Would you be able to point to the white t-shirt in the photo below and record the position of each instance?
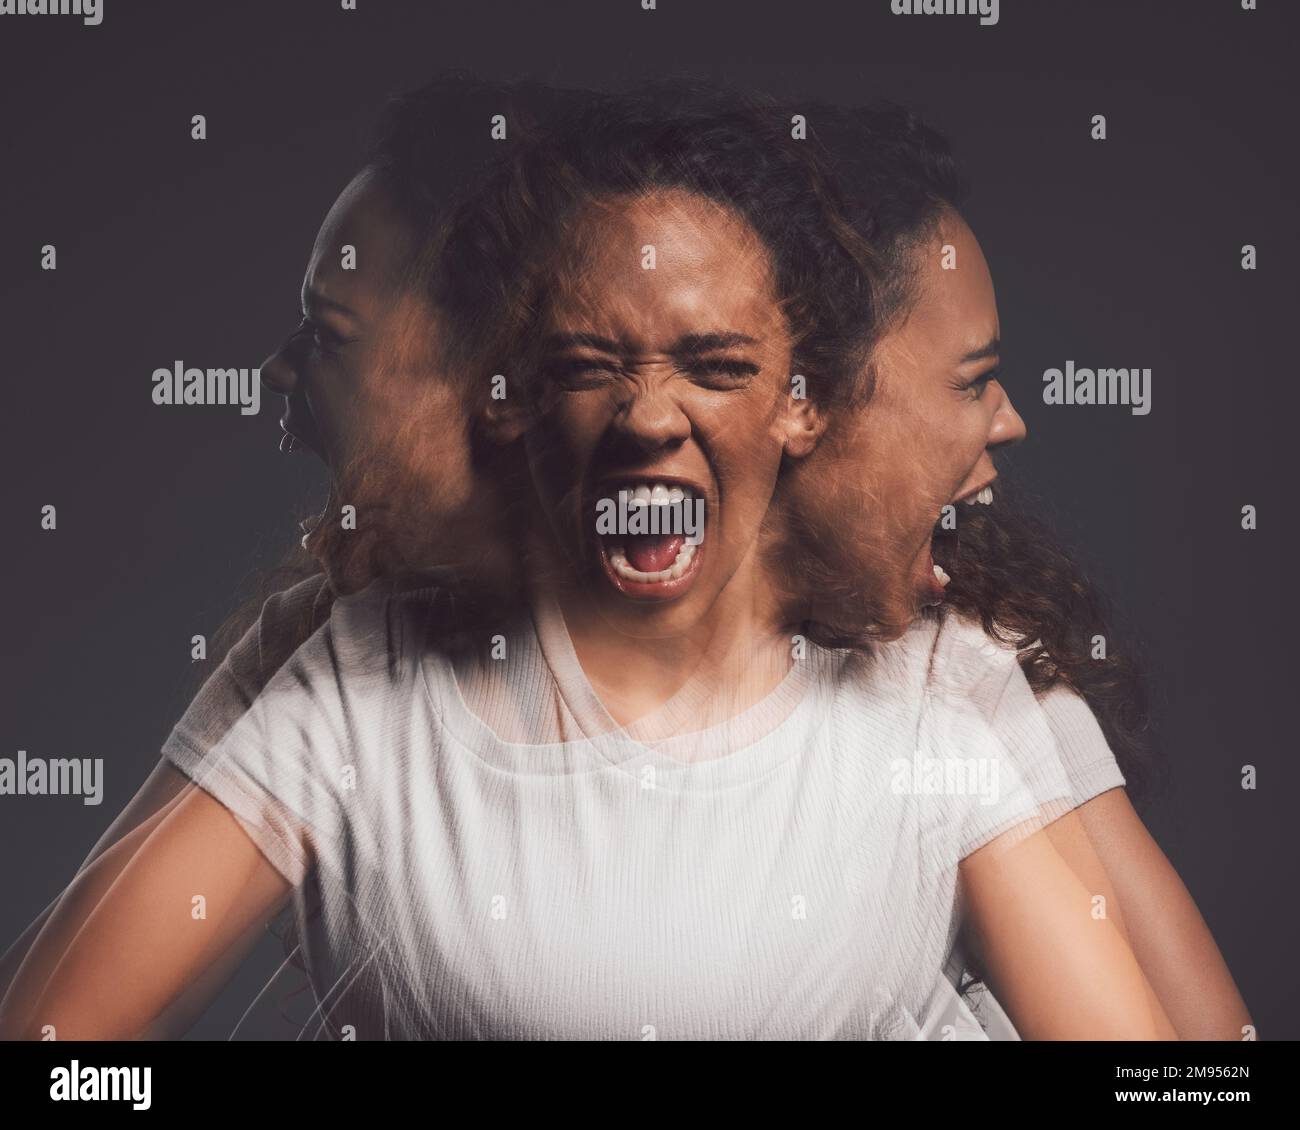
(791, 874)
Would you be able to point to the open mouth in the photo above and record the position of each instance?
(651, 537)
(982, 495)
(298, 430)
(935, 579)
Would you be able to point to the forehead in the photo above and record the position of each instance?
(955, 309)
(365, 218)
(657, 266)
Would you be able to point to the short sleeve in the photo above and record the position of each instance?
(283, 767)
(1086, 755)
(272, 768)
(285, 622)
(987, 744)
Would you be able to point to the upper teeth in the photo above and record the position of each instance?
(655, 494)
(984, 496)
(942, 576)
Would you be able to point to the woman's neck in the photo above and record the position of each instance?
(726, 661)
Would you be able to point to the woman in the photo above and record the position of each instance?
(919, 440)
(364, 362)
(594, 884)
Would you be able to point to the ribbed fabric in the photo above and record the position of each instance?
(495, 859)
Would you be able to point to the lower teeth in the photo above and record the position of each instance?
(682, 562)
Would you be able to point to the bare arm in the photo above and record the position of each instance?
(123, 944)
(1061, 970)
(160, 790)
(1169, 937)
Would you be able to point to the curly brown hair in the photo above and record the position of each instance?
(843, 215)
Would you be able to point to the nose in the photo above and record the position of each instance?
(279, 374)
(1007, 427)
(651, 419)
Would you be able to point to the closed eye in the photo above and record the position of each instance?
(980, 383)
(720, 372)
(322, 335)
(581, 372)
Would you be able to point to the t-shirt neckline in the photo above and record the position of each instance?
(759, 739)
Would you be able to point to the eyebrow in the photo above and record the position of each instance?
(574, 340)
(992, 349)
(689, 344)
(707, 343)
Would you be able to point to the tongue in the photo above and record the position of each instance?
(653, 553)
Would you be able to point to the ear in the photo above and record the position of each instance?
(805, 424)
(503, 421)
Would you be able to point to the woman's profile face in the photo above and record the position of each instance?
(926, 438)
(327, 363)
(665, 369)
(362, 384)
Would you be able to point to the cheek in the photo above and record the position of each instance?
(742, 430)
(337, 386)
(368, 403)
(574, 426)
(947, 437)
(561, 444)
(892, 464)
(970, 443)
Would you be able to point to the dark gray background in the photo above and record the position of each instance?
(1122, 253)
